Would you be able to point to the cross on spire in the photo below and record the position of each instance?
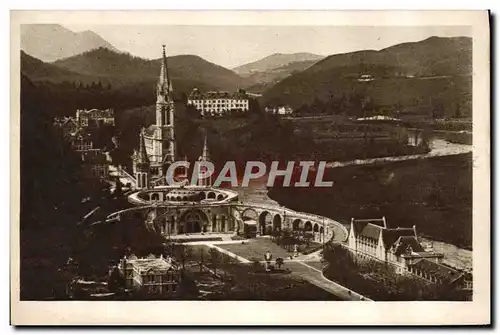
(164, 84)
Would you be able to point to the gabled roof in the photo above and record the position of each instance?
(150, 264)
(403, 243)
(440, 271)
(371, 228)
(391, 235)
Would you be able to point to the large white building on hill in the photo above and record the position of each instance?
(219, 103)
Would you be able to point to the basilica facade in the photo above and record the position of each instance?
(158, 140)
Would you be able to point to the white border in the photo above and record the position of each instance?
(271, 313)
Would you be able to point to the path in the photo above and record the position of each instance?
(299, 267)
(316, 277)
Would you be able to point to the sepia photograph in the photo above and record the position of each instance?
(176, 160)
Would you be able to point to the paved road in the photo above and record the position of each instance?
(306, 270)
(316, 277)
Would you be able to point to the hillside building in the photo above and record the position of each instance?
(219, 103)
(95, 118)
(282, 110)
(400, 248)
(68, 125)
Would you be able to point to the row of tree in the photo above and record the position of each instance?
(379, 281)
(357, 105)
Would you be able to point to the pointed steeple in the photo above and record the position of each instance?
(142, 156)
(164, 84)
(205, 155)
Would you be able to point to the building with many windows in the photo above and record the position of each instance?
(151, 275)
(94, 118)
(400, 247)
(218, 103)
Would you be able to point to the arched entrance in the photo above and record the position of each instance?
(249, 214)
(296, 224)
(264, 219)
(194, 221)
(277, 223)
(308, 226)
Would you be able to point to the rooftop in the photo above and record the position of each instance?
(196, 94)
(441, 271)
(150, 263)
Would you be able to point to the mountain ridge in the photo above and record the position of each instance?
(131, 68)
(49, 42)
(275, 61)
(419, 75)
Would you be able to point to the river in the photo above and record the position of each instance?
(457, 257)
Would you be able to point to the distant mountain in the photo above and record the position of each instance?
(49, 42)
(126, 69)
(260, 81)
(37, 70)
(418, 74)
(130, 80)
(274, 62)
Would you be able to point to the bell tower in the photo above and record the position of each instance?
(165, 110)
(142, 164)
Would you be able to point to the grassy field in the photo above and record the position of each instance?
(256, 248)
(241, 282)
(433, 194)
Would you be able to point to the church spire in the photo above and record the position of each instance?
(205, 155)
(142, 156)
(164, 84)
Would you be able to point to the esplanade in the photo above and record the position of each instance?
(177, 211)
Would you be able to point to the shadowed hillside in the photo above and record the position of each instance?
(122, 80)
(417, 77)
(275, 61)
(125, 69)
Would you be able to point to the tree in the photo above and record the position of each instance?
(115, 280)
(202, 255)
(183, 254)
(279, 262)
(214, 260)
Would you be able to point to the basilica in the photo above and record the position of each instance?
(157, 142)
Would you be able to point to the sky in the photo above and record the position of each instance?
(231, 46)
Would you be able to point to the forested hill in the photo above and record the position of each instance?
(415, 77)
(125, 69)
(104, 78)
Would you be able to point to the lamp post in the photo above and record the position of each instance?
(323, 237)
